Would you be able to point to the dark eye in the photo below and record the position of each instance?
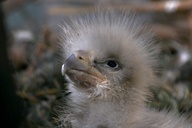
(112, 63)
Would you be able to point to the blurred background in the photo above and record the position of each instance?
(30, 60)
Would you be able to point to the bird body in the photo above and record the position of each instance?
(110, 61)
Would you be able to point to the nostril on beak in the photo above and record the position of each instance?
(81, 58)
(82, 55)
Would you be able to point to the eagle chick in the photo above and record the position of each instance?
(110, 60)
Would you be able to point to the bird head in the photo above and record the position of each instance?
(108, 54)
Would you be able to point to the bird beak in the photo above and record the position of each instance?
(79, 69)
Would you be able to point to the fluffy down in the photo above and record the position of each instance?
(110, 61)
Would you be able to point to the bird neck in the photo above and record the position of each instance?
(108, 112)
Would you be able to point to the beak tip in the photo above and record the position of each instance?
(63, 70)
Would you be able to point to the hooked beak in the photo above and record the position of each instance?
(78, 67)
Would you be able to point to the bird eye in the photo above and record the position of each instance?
(112, 64)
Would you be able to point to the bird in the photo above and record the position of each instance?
(110, 60)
